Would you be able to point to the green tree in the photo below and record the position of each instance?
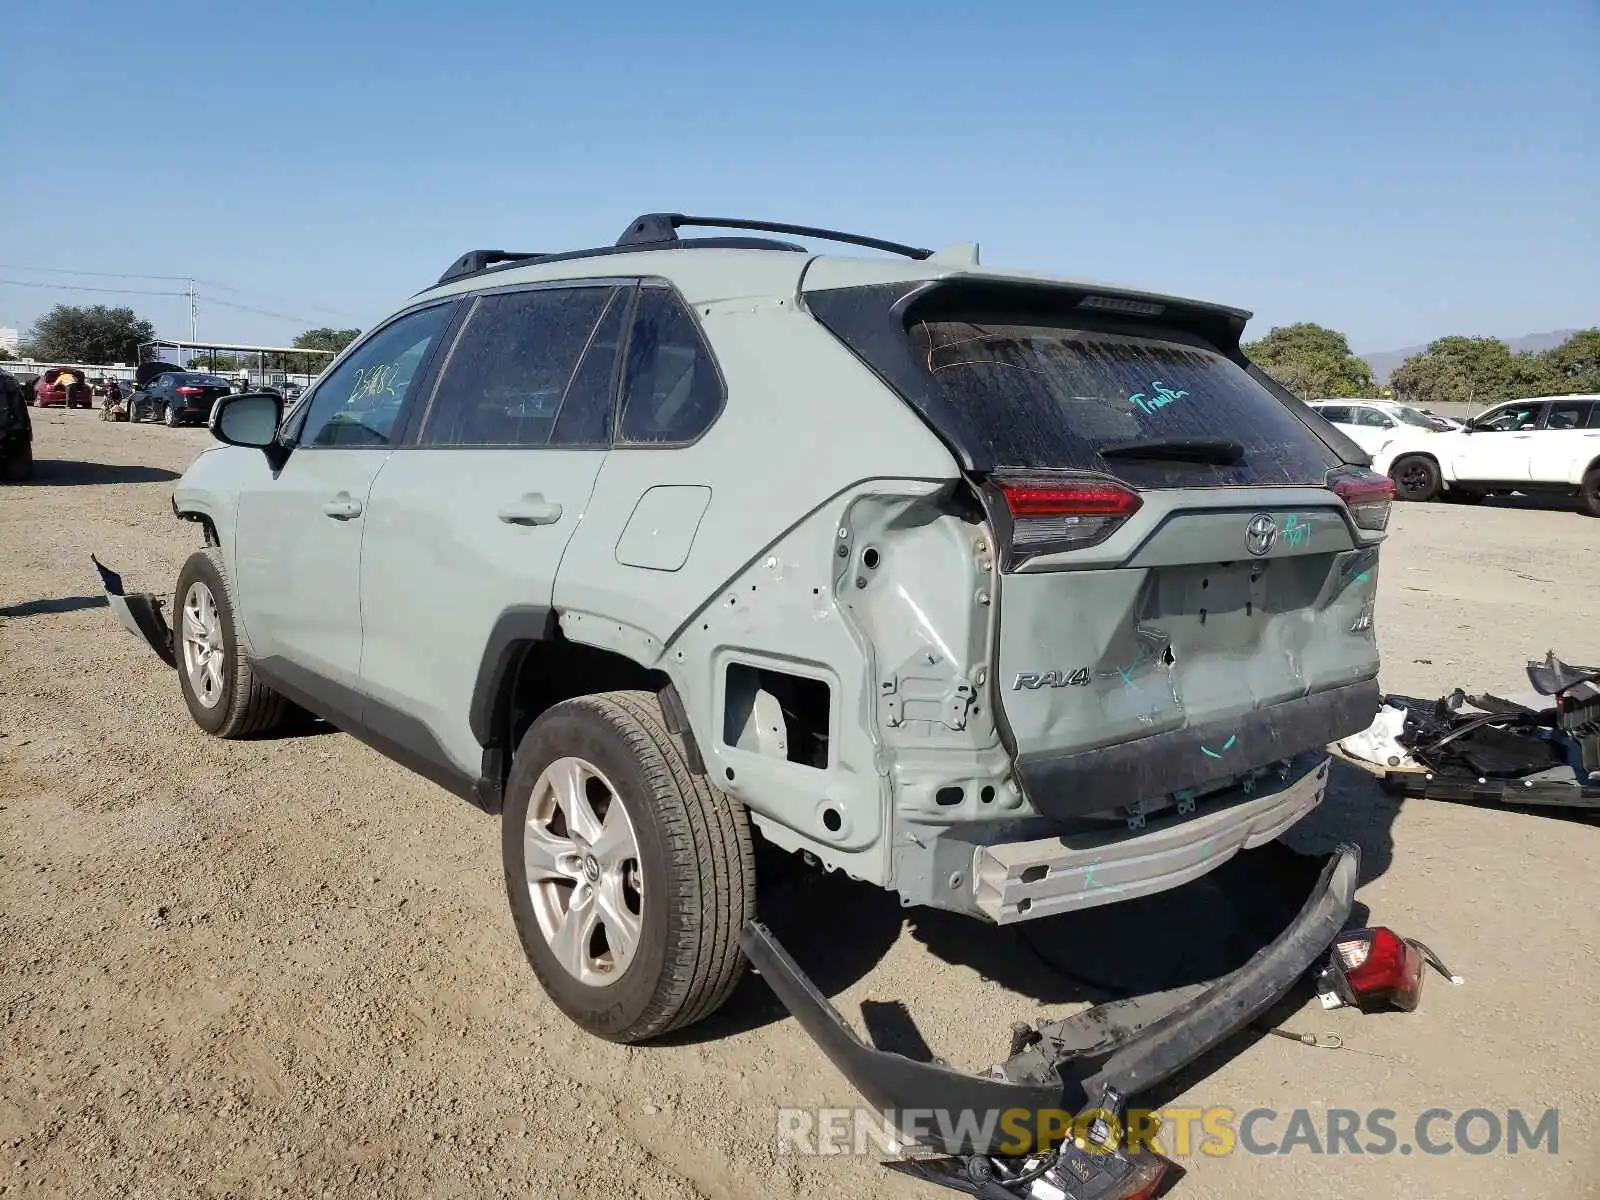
(1311, 361)
(1462, 370)
(1574, 366)
(6, 355)
(333, 340)
(219, 362)
(94, 334)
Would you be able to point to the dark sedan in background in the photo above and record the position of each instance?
(180, 397)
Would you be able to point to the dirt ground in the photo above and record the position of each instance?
(286, 967)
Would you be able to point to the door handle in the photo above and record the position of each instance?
(532, 509)
(343, 507)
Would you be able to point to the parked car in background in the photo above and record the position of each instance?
(185, 397)
(64, 386)
(16, 432)
(1541, 445)
(1372, 423)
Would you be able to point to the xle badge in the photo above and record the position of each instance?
(1033, 680)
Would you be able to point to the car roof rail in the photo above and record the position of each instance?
(661, 230)
(474, 261)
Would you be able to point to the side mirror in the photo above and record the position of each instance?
(251, 419)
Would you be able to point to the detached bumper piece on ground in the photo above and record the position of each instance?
(1540, 749)
(998, 1128)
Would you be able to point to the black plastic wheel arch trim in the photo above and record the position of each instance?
(894, 1084)
(140, 612)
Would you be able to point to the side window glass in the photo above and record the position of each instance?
(357, 403)
(1336, 413)
(1594, 416)
(671, 390)
(585, 418)
(511, 369)
(1570, 415)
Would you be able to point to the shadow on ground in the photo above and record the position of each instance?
(57, 604)
(838, 930)
(52, 472)
(1548, 501)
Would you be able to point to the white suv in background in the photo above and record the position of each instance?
(1372, 424)
(1544, 444)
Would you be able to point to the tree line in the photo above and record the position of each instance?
(98, 334)
(1313, 361)
(1310, 360)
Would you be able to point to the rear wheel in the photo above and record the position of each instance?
(1416, 478)
(219, 686)
(1589, 492)
(629, 876)
(170, 416)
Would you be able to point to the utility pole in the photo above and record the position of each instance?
(194, 314)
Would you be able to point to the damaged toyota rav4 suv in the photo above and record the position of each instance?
(1013, 594)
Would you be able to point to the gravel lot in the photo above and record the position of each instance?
(285, 967)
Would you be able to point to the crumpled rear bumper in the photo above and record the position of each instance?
(1110, 1052)
(139, 613)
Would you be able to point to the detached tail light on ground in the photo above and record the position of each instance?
(1366, 494)
(1375, 968)
(1056, 513)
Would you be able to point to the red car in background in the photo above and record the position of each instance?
(50, 389)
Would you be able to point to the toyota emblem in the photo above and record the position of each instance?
(1260, 535)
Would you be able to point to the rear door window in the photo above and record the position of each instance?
(1339, 414)
(510, 375)
(1570, 414)
(1057, 396)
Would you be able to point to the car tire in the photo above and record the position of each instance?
(692, 871)
(169, 417)
(1416, 478)
(1589, 492)
(221, 689)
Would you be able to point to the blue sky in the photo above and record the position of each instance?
(1396, 170)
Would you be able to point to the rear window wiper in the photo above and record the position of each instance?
(1221, 451)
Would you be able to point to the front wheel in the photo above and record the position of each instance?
(629, 876)
(219, 686)
(1415, 478)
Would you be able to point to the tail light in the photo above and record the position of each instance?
(1372, 967)
(191, 391)
(1366, 494)
(1049, 514)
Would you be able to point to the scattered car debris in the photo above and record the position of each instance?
(1540, 749)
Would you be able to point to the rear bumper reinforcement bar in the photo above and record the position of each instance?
(1147, 1040)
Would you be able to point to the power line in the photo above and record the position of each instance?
(261, 311)
(210, 283)
(78, 287)
(222, 287)
(102, 274)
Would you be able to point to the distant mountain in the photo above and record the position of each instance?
(1383, 362)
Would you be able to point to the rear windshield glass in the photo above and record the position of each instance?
(1038, 395)
(206, 381)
